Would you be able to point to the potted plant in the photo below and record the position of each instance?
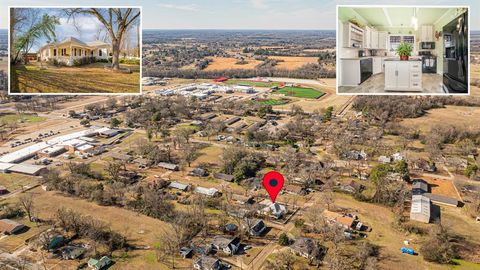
(404, 50)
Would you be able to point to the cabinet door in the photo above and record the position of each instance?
(403, 75)
(390, 75)
(382, 40)
(374, 39)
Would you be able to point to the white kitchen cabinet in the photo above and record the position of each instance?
(377, 64)
(374, 39)
(426, 33)
(350, 69)
(367, 37)
(403, 75)
(382, 40)
(353, 36)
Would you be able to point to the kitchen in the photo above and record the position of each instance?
(396, 50)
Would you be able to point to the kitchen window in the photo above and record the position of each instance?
(395, 40)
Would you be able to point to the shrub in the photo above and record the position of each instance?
(130, 61)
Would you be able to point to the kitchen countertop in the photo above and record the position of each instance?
(409, 59)
(355, 58)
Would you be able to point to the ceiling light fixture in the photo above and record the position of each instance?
(415, 19)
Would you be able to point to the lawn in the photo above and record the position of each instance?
(274, 102)
(92, 78)
(300, 92)
(12, 118)
(253, 83)
(15, 181)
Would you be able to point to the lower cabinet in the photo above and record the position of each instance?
(403, 76)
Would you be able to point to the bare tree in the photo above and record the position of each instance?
(26, 202)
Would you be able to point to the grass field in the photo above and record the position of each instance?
(274, 102)
(15, 181)
(300, 92)
(253, 83)
(91, 78)
(219, 63)
(11, 118)
(293, 62)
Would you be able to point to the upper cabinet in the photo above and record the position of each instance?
(352, 36)
(426, 33)
(367, 37)
(373, 39)
(382, 40)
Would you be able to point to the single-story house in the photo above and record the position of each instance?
(227, 245)
(71, 49)
(211, 192)
(340, 219)
(419, 186)
(224, 177)
(72, 252)
(99, 264)
(420, 209)
(168, 166)
(240, 199)
(207, 263)
(8, 226)
(308, 248)
(257, 227)
(200, 172)
(276, 210)
(180, 186)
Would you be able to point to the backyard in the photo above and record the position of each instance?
(92, 78)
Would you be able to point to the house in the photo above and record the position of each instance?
(72, 252)
(240, 199)
(180, 186)
(186, 252)
(99, 264)
(276, 210)
(227, 245)
(210, 192)
(8, 226)
(200, 172)
(419, 186)
(308, 248)
(342, 220)
(420, 209)
(224, 177)
(168, 166)
(71, 50)
(384, 159)
(207, 263)
(3, 190)
(256, 227)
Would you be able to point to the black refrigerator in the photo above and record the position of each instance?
(455, 55)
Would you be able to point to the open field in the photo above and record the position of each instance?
(300, 92)
(218, 63)
(274, 102)
(91, 78)
(15, 181)
(293, 62)
(453, 115)
(253, 83)
(23, 118)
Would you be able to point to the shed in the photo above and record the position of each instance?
(420, 210)
(168, 166)
(8, 226)
(223, 176)
(211, 192)
(180, 186)
(200, 172)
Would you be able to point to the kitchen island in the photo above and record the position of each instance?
(403, 75)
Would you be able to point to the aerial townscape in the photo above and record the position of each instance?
(172, 178)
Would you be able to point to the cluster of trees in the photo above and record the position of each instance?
(308, 71)
(440, 245)
(88, 227)
(241, 163)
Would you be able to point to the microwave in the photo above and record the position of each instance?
(427, 45)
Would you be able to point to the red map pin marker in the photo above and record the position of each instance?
(273, 183)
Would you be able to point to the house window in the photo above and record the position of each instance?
(99, 52)
(54, 52)
(75, 52)
(395, 40)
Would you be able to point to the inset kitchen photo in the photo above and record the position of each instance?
(402, 50)
(75, 50)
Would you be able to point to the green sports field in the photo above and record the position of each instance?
(300, 92)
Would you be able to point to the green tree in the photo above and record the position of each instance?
(327, 116)
(114, 122)
(283, 239)
(471, 170)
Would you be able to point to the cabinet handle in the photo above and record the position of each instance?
(415, 75)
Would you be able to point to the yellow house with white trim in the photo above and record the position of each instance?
(71, 49)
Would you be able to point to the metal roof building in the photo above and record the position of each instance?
(420, 210)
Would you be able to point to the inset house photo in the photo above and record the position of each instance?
(394, 50)
(75, 50)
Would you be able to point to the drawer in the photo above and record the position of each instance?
(415, 84)
(416, 66)
(415, 76)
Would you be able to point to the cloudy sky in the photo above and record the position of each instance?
(238, 14)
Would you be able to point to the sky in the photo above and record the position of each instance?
(237, 14)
